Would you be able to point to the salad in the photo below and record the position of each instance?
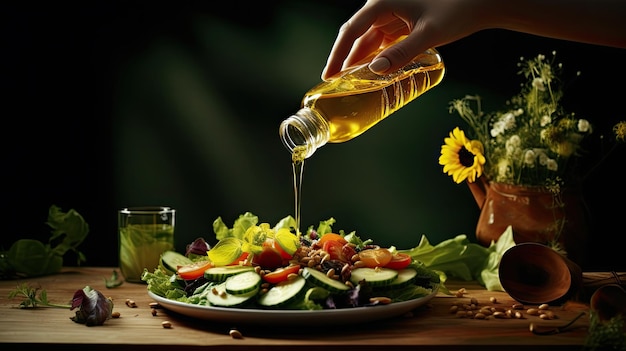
(255, 265)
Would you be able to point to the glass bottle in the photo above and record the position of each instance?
(353, 101)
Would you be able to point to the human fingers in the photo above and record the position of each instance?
(348, 35)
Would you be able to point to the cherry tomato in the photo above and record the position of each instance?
(331, 237)
(399, 261)
(375, 257)
(269, 258)
(334, 249)
(280, 274)
(194, 270)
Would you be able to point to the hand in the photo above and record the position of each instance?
(427, 23)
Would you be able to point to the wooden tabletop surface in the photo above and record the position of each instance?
(429, 327)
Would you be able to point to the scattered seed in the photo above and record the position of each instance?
(166, 324)
(480, 316)
(532, 311)
(381, 300)
(115, 315)
(154, 305)
(493, 300)
(154, 312)
(235, 334)
(544, 306)
(518, 306)
(130, 303)
(454, 309)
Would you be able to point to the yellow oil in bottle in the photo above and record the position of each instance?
(360, 99)
(349, 104)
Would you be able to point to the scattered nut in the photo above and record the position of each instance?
(154, 312)
(166, 324)
(235, 334)
(493, 299)
(131, 303)
(544, 306)
(154, 305)
(381, 300)
(115, 315)
(518, 306)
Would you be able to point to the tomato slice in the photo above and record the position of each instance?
(399, 261)
(241, 258)
(334, 249)
(194, 270)
(280, 250)
(375, 257)
(281, 274)
(332, 237)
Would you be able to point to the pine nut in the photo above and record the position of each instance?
(544, 306)
(115, 315)
(235, 334)
(166, 324)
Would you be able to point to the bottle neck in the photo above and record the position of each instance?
(306, 128)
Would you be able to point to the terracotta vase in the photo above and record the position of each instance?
(535, 215)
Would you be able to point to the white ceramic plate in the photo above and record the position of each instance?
(293, 317)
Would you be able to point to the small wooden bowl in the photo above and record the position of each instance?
(533, 273)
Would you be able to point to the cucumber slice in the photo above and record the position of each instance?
(220, 274)
(219, 297)
(170, 260)
(283, 292)
(320, 279)
(406, 277)
(373, 276)
(243, 283)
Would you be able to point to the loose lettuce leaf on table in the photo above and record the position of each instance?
(459, 258)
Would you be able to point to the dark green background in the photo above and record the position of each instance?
(110, 105)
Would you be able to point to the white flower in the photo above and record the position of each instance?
(513, 144)
(584, 126)
(552, 165)
(545, 120)
(529, 158)
(538, 83)
(504, 123)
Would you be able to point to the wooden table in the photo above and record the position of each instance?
(431, 327)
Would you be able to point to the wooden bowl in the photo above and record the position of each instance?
(533, 273)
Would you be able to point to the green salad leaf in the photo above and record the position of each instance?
(31, 258)
(461, 259)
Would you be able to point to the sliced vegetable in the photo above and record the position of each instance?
(332, 237)
(335, 250)
(373, 276)
(220, 274)
(406, 277)
(193, 270)
(283, 292)
(320, 279)
(280, 274)
(243, 283)
(171, 260)
(375, 257)
(399, 261)
(218, 296)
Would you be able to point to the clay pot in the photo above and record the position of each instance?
(535, 215)
(533, 273)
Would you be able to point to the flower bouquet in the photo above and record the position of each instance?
(521, 163)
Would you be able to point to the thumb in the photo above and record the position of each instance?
(398, 55)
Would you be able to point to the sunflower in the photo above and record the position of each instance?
(461, 157)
